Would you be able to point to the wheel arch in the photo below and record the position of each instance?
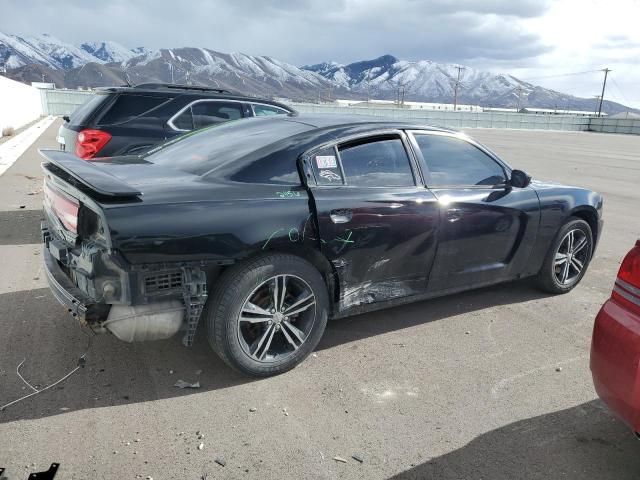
(589, 215)
(311, 255)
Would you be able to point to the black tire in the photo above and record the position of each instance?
(236, 286)
(549, 277)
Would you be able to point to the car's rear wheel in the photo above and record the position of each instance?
(568, 258)
(267, 315)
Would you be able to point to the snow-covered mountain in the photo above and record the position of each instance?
(97, 64)
(49, 51)
(383, 77)
(425, 80)
(109, 51)
(42, 49)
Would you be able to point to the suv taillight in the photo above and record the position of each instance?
(90, 142)
(627, 287)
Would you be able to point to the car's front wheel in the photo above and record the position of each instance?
(568, 258)
(267, 315)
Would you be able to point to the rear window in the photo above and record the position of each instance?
(83, 112)
(207, 149)
(129, 106)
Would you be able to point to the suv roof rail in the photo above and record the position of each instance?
(200, 88)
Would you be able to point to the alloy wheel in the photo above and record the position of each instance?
(276, 318)
(571, 257)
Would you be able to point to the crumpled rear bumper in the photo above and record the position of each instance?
(79, 305)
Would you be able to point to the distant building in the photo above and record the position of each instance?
(407, 105)
(43, 85)
(556, 111)
(500, 110)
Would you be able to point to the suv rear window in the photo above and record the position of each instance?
(83, 112)
(128, 106)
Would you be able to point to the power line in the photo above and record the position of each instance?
(560, 75)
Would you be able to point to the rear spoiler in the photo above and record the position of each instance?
(89, 174)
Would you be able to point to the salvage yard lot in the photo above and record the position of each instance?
(490, 384)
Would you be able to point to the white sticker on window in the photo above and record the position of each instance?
(326, 161)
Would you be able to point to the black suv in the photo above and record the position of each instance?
(130, 120)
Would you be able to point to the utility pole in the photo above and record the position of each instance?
(519, 97)
(597, 97)
(455, 90)
(604, 84)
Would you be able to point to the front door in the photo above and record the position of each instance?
(487, 228)
(377, 221)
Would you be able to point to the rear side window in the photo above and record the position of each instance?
(378, 163)
(263, 110)
(129, 106)
(453, 161)
(326, 168)
(203, 114)
(83, 112)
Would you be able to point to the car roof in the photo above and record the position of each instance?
(189, 90)
(332, 120)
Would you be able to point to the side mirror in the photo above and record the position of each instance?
(519, 179)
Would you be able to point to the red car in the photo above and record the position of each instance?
(615, 348)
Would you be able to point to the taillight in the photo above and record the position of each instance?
(627, 287)
(89, 142)
(63, 207)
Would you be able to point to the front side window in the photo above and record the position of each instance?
(453, 161)
(378, 163)
(264, 110)
(203, 114)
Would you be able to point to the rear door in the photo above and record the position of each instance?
(377, 221)
(487, 228)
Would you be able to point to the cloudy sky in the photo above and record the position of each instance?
(541, 40)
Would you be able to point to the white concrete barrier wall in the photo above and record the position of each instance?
(19, 104)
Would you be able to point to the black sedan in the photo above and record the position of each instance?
(265, 228)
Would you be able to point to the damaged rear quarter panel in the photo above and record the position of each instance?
(215, 230)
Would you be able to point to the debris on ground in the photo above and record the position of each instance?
(467, 332)
(220, 461)
(558, 369)
(64, 409)
(284, 410)
(340, 459)
(22, 206)
(253, 409)
(201, 446)
(198, 372)
(357, 457)
(183, 384)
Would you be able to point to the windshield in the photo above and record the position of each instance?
(204, 150)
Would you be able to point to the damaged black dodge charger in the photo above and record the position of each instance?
(263, 229)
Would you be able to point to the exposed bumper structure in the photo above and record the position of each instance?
(78, 304)
(615, 361)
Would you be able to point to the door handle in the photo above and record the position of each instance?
(453, 214)
(341, 215)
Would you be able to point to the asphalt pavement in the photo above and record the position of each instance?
(490, 384)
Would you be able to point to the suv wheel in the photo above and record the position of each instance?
(267, 315)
